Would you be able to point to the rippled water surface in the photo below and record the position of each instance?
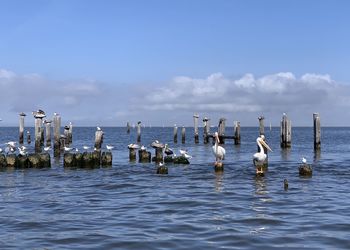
(129, 206)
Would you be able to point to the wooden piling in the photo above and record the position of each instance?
(70, 133)
(261, 125)
(42, 137)
(38, 123)
(128, 127)
(286, 132)
(175, 133)
(48, 133)
(144, 156)
(21, 127)
(159, 155)
(196, 134)
(317, 131)
(132, 154)
(98, 139)
(106, 159)
(183, 135)
(66, 134)
(206, 130)
(237, 132)
(221, 130)
(57, 134)
(29, 140)
(139, 131)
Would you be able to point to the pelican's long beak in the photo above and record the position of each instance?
(265, 145)
(217, 138)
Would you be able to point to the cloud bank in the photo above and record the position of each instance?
(89, 102)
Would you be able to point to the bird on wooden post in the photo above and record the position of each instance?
(218, 151)
(260, 157)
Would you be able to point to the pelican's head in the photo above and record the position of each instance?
(261, 140)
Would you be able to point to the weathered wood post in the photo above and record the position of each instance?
(48, 132)
(286, 132)
(206, 130)
(261, 125)
(132, 154)
(38, 123)
(196, 135)
(139, 131)
(175, 133)
(237, 132)
(221, 130)
(183, 134)
(21, 127)
(29, 140)
(98, 138)
(42, 131)
(70, 133)
(128, 127)
(317, 131)
(57, 133)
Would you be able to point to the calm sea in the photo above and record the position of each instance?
(129, 206)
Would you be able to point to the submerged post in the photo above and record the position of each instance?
(221, 130)
(183, 134)
(21, 127)
(128, 127)
(261, 125)
(29, 140)
(139, 131)
(57, 133)
(196, 136)
(48, 133)
(38, 122)
(286, 132)
(237, 132)
(317, 131)
(206, 130)
(175, 133)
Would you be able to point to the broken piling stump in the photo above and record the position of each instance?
(106, 159)
(144, 156)
(196, 134)
(21, 127)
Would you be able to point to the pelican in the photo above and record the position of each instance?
(109, 147)
(218, 151)
(167, 150)
(133, 146)
(260, 157)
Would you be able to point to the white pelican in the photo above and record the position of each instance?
(218, 151)
(109, 147)
(259, 158)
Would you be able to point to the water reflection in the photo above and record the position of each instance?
(285, 153)
(219, 177)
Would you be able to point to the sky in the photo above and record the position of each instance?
(109, 62)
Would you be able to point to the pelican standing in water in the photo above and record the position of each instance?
(260, 157)
(218, 151)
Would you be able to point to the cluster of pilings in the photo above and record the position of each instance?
(87, 159)
(145, 156)
(35, 160)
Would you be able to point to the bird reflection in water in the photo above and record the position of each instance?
(219, 177)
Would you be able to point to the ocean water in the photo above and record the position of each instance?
(129, 206)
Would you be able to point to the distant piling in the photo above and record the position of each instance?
(98, 139)
(29, 139)
(128, 127)
(38, 123)
(286, 132)
(237, 132)
(196, 134)
(21, 127)
(261, 125)
(206, 130)
(139, 131)
(221, 130)
(48, 133)
(317, 131)
(70, 133)
(66, 134)
(183, 134)
(175, 133)
(57, 133)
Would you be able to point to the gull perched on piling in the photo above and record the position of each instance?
(86, 147)
(47, 148)
(303, 160)
(133, 146)
(109, 147)
(39, 114)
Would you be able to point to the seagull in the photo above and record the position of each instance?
(133, 146)
(86, 147)
(98, 128)
(143, 147)
(182, 151)
(218, 151)
(11, 144)
(109, 147)
(47, 148)
(39, 114)
(185, 154)
(167, 150)
(67, 149)
(0, 150)
(22, 151)
(303, 160)
(161, 164)
(157, 144)
(55, 114)
(259, 158)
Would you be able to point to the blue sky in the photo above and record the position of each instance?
(132, 50)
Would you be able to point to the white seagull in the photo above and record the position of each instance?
(86, 147)
(259, 158)
(109, 147)
(219, 152)
(98, 128)
(303, 160)
(67, 149)
(133, 146)
(47, 148)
